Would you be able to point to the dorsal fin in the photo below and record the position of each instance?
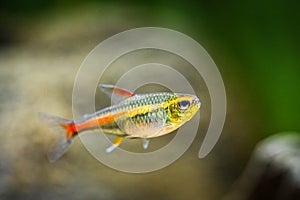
(116, 94)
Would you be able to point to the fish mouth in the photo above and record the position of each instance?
(196, 102)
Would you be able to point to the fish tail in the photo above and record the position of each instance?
(67, 131)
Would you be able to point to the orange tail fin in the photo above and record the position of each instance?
(67, 131)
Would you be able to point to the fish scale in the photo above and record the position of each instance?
(143, 118)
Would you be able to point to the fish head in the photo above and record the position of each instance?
(183, 107)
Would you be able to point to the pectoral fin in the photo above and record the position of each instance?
(145, 143)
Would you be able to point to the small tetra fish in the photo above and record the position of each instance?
(133, 116)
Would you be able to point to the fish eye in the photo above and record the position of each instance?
(184, 104)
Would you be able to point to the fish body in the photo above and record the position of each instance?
(133, 116)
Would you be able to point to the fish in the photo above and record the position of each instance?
(142, 116)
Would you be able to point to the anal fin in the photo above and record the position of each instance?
(115, 144)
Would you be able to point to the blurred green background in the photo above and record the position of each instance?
(255, 44)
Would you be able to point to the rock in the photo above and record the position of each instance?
(273, 171)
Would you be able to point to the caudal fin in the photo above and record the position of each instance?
(66, 130)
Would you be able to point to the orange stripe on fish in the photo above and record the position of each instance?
(98, 121)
